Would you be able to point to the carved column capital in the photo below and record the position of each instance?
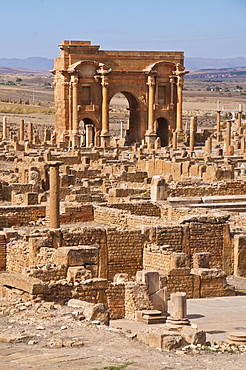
(151, 81)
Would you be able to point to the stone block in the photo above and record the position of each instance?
(31, 198)
(150, 278)
(27, 284)
(78, 273)
(193, 336)
(178, 260)
(92, 312)
(158, 188)
(76, 256)
(201, 260)
(159, 300)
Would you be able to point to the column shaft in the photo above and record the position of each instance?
(54, 197)
(22, 130)
(151, 101)
(105, 121)
(179, 103)
(75, 107)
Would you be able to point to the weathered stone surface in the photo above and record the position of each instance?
(76, 256)
(92, 312)
(27, 284)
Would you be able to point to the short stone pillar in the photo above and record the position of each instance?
(54, 195)
(239, 116)
(175, 140)
(208, 145)
(30, 131)
(47, 135)
(158, 143)
(218, 122)
(228, 137)
(89, 135)
(242, 146)
(121, 129)
(158, 188)
(192, 140)
(201, 260)
(22, 130)
(5, 128)
(178, 309)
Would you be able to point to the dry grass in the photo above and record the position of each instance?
(18, 109)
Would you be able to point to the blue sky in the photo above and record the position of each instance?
(211, 28)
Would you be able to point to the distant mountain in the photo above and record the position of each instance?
(22, 71)
(34, 63)
(193, 64)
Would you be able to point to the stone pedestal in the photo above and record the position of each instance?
(158, 188)
(175, 140)
(178, 309)
(150, 140)
(105, 140)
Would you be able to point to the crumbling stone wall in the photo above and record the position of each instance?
(157, 257)
(17, 256)
(124, 248)
(116, 300)
(21, 215)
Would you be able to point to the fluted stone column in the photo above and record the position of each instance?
(172, 82)
(54, 195)
(5, 128)
(75, 104)
(105, 137)
(30, 131)
(180, 83)
(22, 130)
(150, 135)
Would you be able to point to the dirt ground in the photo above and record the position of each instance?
(59, 338)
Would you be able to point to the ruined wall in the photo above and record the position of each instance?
(116, 300)
(124, 248)
(17, 256)
(21, 215)
(157, 258)
(186, 189)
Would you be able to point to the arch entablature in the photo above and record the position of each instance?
(86, 79)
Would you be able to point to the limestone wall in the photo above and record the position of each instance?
(21, 215)
(116, 300)
(124, 248)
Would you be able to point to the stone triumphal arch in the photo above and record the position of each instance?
(86, 79)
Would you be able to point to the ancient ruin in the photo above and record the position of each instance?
(119, 225)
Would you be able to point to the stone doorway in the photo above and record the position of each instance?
(86, 132)
(162, 131)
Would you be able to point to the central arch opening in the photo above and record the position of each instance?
(124, 117)
(119, 115)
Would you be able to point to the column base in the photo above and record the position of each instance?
(150, 140)
(105, 140)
